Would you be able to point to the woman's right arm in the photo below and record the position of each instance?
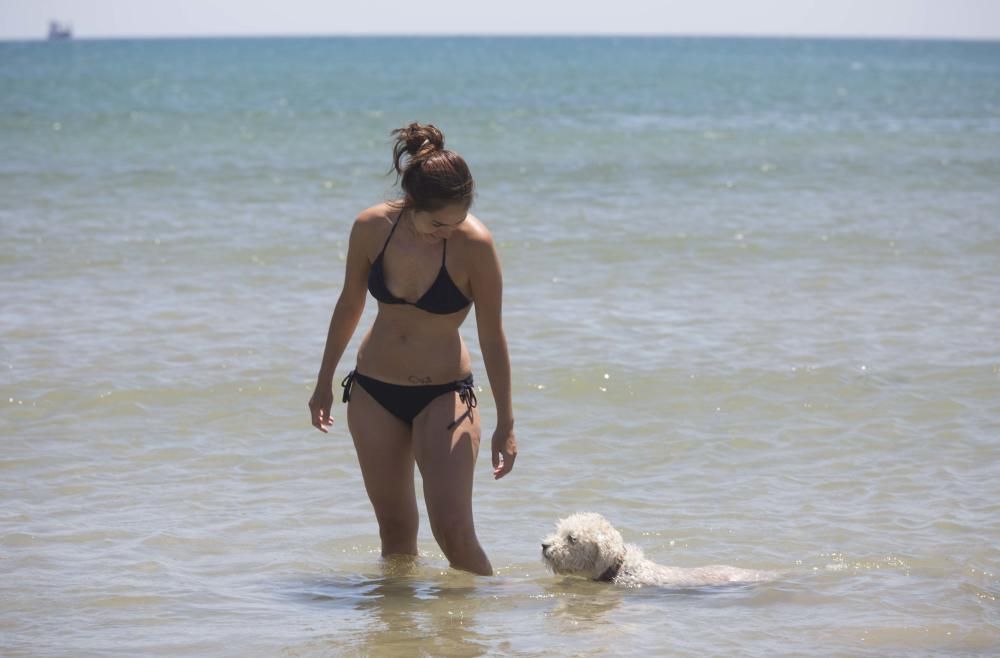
(346, 315)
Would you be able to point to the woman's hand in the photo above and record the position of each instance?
(504, 452)
(319, 406)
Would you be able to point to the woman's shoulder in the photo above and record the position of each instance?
(376, 221)
(475, 233)
(381, 214)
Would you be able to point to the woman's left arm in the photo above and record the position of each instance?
(487, 293)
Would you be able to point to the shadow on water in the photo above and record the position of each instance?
(587, 601)
(404, 611)
(582, 604)
(409, 608)
(604, 619)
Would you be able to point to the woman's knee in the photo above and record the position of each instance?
(454, 532)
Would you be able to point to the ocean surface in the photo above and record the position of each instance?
(752, 300)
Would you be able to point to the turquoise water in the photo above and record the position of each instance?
(751, 297)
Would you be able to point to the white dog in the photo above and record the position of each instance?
(587, 545)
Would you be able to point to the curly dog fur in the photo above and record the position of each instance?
(587, 545)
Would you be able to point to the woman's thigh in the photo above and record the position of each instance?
(385, 453)
(447, 458)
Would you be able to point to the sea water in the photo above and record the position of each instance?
(752, 298)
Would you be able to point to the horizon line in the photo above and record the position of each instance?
(515, 35)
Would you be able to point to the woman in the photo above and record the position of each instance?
(426, 260)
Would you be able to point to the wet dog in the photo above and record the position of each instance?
(587, 545)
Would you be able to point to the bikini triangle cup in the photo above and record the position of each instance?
(442, 298)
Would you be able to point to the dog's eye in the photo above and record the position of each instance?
(571, 539)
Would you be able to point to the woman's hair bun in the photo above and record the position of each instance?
(417, 139)
(430, 175)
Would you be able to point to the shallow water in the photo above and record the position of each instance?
(751, 298)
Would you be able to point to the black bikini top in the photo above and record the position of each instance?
(443, 297)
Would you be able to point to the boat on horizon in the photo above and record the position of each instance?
(59, 31)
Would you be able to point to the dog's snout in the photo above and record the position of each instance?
(545, 547)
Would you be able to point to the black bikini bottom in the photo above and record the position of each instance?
(405, 402)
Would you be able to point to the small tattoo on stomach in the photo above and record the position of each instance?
(420, 380)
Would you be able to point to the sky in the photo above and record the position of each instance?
(963, 19)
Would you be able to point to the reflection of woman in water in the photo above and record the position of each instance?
(426, 260)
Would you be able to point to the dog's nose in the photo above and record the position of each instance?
(545, 547)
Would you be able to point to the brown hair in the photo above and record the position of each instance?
(430, 175)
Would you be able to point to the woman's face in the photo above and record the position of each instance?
(440, 223)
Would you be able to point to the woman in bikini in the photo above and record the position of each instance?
(427, 261)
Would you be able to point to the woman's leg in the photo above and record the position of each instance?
(447, 459)
(385, 452)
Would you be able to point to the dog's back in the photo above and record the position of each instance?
(638, 571)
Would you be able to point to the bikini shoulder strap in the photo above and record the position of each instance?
(393, 229)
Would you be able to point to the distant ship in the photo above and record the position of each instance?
(60, 32)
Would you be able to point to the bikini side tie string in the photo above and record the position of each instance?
(467, 394)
